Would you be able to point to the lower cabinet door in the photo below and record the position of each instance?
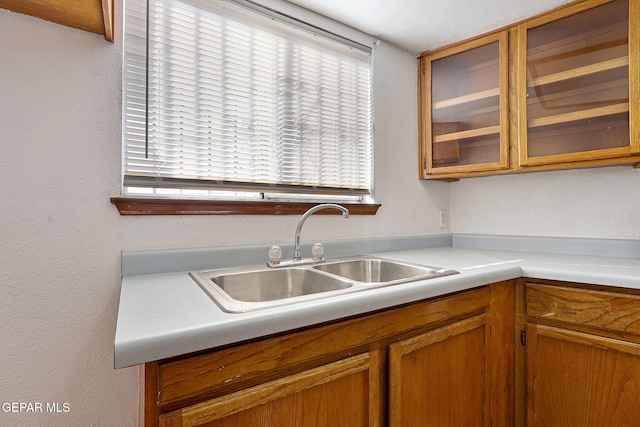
(439, 379)
(576, 379)
(343, 393)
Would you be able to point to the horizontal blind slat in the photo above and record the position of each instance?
(235, 98)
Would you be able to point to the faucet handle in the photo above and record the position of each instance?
(318, 251)
(275, 254)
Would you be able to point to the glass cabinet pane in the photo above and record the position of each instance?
(465, 107)
(577, 94)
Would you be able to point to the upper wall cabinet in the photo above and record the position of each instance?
(573, 95)
(463, 94)
(95, 16)
(574, 87)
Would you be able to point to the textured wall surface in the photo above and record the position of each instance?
(598, 203)
(60, 129)
(59, 262)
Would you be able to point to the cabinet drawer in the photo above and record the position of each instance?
(605, 310)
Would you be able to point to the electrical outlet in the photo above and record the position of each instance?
(444, 219)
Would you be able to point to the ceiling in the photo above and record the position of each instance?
(421, 25)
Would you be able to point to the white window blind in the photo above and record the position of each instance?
(218, 96)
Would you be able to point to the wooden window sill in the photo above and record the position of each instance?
(159, 206)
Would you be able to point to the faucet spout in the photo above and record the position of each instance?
(345, 214)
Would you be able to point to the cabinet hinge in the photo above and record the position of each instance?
(523, 337)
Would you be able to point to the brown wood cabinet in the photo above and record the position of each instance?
(574, 85)
(464, 105)
(579, 358)
(339, 393)
(573, 97)
(515, 353)
(417, 365)
(430, 375)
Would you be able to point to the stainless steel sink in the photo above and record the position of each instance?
(240, 290)
(376, 270)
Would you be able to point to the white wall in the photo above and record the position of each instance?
(60, 97)
(61, 237)
(592, 203)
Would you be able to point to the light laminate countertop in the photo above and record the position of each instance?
(165, 315)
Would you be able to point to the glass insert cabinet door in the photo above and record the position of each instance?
(574, 86)
(464, 116)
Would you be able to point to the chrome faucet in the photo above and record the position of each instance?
(275, 253)
(345, 214)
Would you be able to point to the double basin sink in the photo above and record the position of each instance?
(240, 290)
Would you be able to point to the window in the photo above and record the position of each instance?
(224, 102)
